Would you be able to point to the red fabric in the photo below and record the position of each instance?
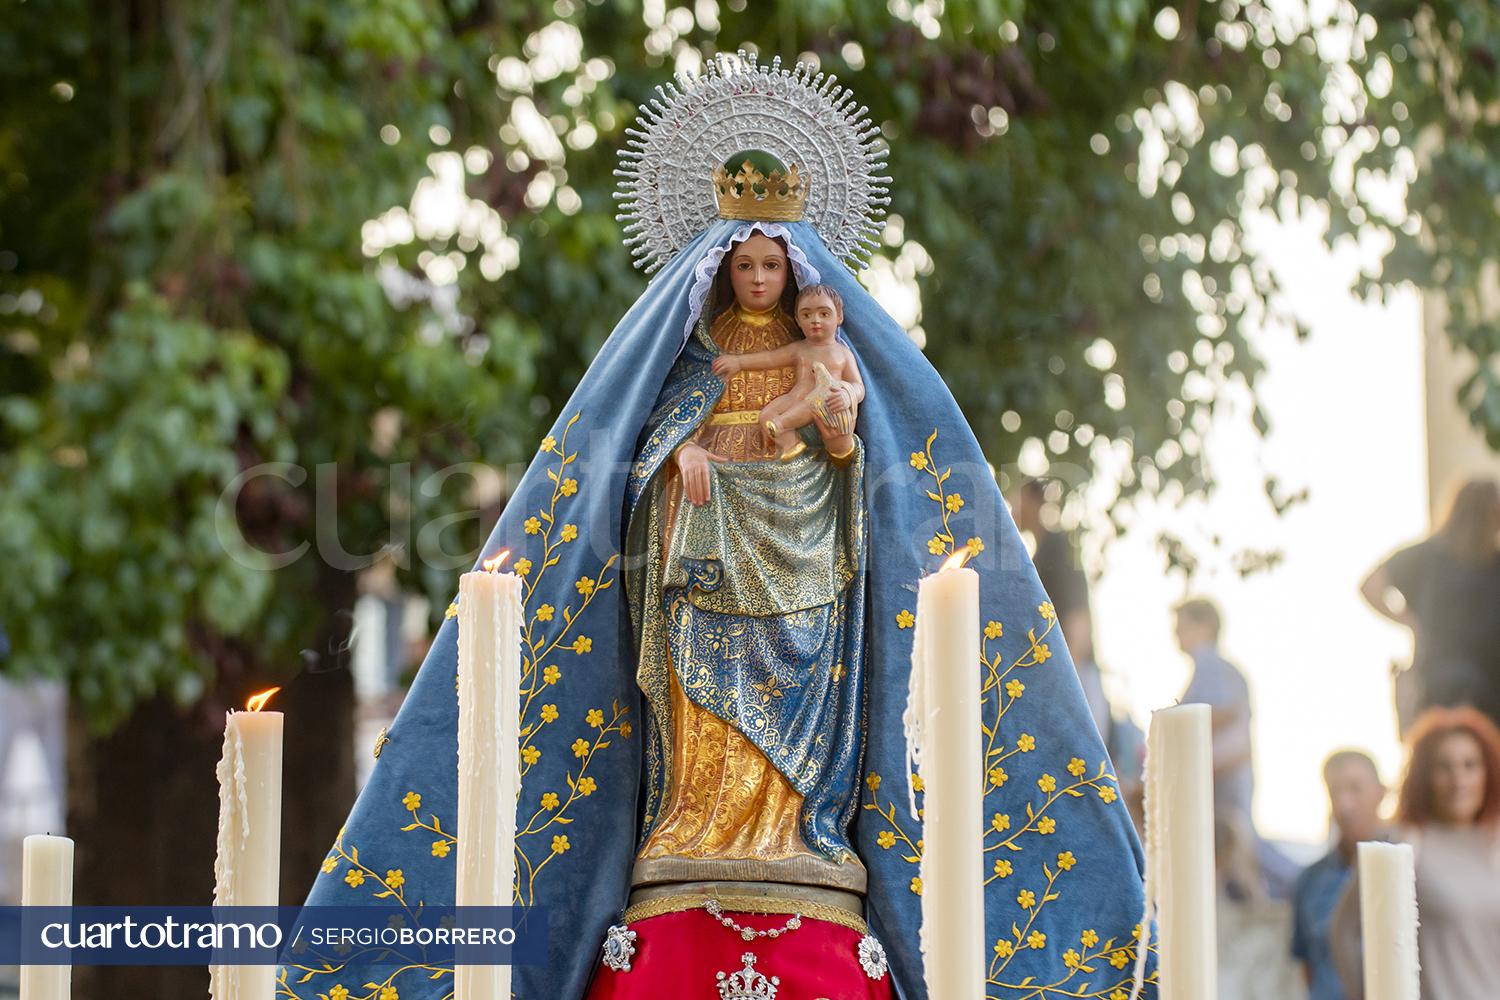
(679, 955)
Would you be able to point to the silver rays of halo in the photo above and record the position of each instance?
(798, 115)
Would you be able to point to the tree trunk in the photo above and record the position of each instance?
(143, 802)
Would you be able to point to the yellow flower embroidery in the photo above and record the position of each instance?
(329, 864)
(1036, 940)
(582, 644)
(549, 713)
(1003, 868)
(1014, 688)
(394, 878)
(560, 844)
(1001, 822)
(1076, 767)
(1089, 939)
(918, 460)
(452, 611)
(1118, 994)
(1026, 899)
(440, 848)
(595, 717)
(886, 839)
(993, 630)
(916, 885)
(954, 503)
(523, 566)
(975, 546)
(998, 776)
(905, 619)
(549, 800)
(1025, 743)
(936, 545)
(531, 526)
(1004, 948)
(1046, 610)
(1041, 653)
(549, 442)
(412, 801)
(530, 754)
(1066, 861)
(551, 675)
(544, 613)
(1046, 825)
(872, 781)
(569, 532)
(585, 585)
(1119, 959)
(626, 729)
(1107, 793)
(1047, 783)
(389, 993)
(1072, 959)
(580, 747)
(568, 487)
(354, 878)
(586, 786)
(339, 992)
(917, 784)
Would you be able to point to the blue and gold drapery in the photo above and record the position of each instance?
(1063, 867)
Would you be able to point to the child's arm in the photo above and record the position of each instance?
(729, 364)
(850, 375)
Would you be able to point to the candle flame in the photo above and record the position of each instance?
(492, 564)
(956, 560)
(256, 702)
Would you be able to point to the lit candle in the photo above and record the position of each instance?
(46, 880)
(247, 868)
(489, 765)
(1388, 915)
(943, 736)
(1180, 851)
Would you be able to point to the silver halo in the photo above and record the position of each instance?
(798, 115)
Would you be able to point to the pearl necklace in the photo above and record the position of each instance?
(750, 933)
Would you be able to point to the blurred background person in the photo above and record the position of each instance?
(1219, 684)
(1449, 811)
(1446, 589)
(1355, 794)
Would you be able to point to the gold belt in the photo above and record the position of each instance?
(733, 418)
(831, 905)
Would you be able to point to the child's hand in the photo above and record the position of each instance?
(841, 398)
(726, 365)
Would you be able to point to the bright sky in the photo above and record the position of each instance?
(1346, 409)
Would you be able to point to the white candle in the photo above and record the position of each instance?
(1180, 851)
(943, 735)
(46, 880)
(247, 868)
(1388, 914)
(489, 764)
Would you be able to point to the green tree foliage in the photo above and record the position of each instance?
(218, 223)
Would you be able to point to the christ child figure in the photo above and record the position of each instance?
(828, 388)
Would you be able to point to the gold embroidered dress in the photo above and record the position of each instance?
(729, 813)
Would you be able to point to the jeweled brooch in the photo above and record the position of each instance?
(619, 947)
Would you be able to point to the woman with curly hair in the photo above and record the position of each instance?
(1449, 811)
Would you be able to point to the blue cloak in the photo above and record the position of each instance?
(1063, 874)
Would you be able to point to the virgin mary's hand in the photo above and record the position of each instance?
(840, 399)
(692, 462)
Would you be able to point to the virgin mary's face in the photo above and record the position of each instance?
(757, 271)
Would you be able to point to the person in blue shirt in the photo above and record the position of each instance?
(1355, 793)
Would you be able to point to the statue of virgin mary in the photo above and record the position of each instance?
(717, 636)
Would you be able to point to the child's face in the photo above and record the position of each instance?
(819, 318)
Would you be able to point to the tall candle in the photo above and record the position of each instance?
(1388, 914)
(944, 738)
(247, 868)
(1180, 850)
(46, 880)
(489, 765)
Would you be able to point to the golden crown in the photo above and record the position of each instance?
(750, 194)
